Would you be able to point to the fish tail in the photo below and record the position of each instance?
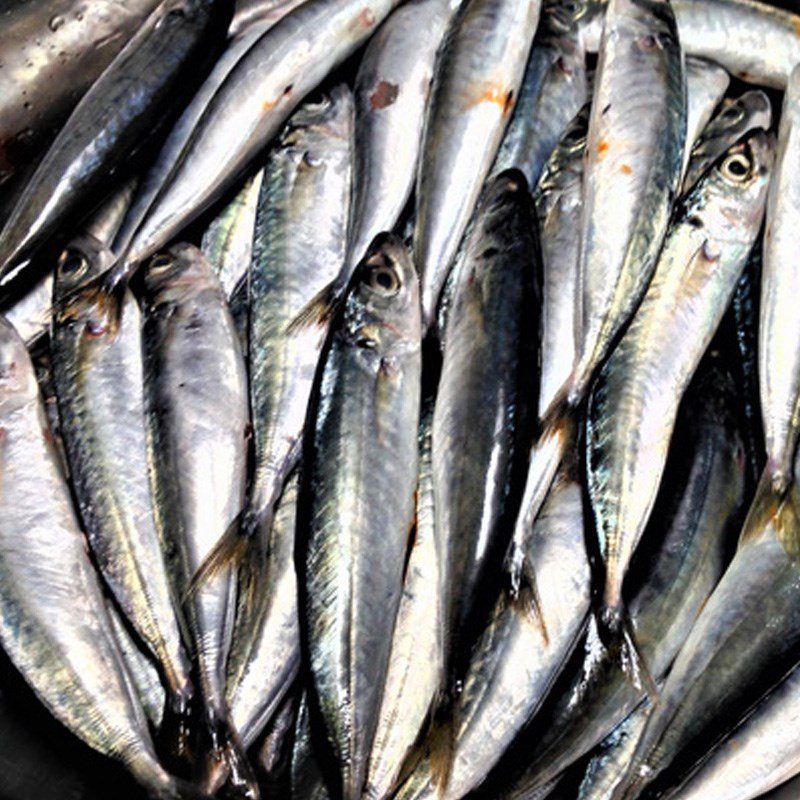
(174, 741)
(775, 504)
(441, 744)
(226, 772)
(318, 311)
(524, 590)
(228, 553)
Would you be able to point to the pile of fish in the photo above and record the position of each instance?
(401, 399)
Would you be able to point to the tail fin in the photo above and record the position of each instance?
(228, 553)
(225, 770)
(319, 310)
(776, 505)
(442, 743)
(174, 742)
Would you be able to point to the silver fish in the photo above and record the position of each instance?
(391, 90)
(249, 108)
(706, 85)
(54, 625)
(633, 158)
(197, 418)
(249, 13)
(357, 506)
(417, 657)
(554, 89)
(778, 355)
(307, 781)
(735, 118)
(635, 400)
(476, 83)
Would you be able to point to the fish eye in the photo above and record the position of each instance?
(574, 138)
(733, 114)
(161, 262)
(383, 279)
(73, 264)
(737, 167)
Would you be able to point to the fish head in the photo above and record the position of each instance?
(82, 260)
(382, 312)
(566, 16)
(178, 272)
(17, 378)
(735, 118)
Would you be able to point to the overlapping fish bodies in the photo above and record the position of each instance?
(735, 118)
(55, 626)
(302, 210)
(391, 91)
(635, 400)
(553, 90)
(248, 14)
(97, 369)
(516, 661)
(481, 419)
(111, 121)
(633, 160)
(417, 659)
(779, 356)
(476, 83)
(197, 416)
(52, 53)
(256, 98)
(357, 504)
(696, 519)
(758, 756)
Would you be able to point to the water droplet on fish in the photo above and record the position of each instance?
(56, 22)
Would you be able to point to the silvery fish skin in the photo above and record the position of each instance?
(160, 172)
(553, 91)
(197, 418)
(706, 85)
(696, 517)
(754, 41)
(633, 158)
(476, 82)
(144, 676)
(254, 101)
(743, 643)
(249, 13)
(758, 756)
(54, 625)
(307, 781)
(110, 122)
(634, 404)
(302, 209)
(391, 90)
(558, 209)
(513, 665)
(275, 751)
(228, 240)
(735, 118)
(52, 53)
(357, 505)
(417, 656)
(606, 767)
(98, 375)
(480, 419)
(778, 354)
(265, 650)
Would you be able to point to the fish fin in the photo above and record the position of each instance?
(524, 589)
(107, 298)
(441, 746)
(317, 312)
(775, 503)
(174, 740)
(226, 772)
(228, 552)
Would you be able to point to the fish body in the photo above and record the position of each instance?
(357, 502)
(476, 84)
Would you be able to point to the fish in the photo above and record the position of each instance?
(476, 83)
(112, 121)
(287, 62)
(554, 89)
(417, 656)
(52, 53)
(482, 414)
(629, 179)
(160, 172)
(706, 84)
(514, 663)
(356, 504)
(275, 753)
(98, 375)
(264, 656)
(736, 117)
(197, 424)
(634, 403)
(392, 87)
(685, 550)
(54, 625)
(249, 13)
(557, 197)
(307, 780)
(228, 240)
(778, 358)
